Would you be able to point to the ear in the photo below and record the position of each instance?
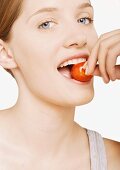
(6, 58)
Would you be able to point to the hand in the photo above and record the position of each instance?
(106, 52)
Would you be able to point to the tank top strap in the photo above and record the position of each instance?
(97, 151)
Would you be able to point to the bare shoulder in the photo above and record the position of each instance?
(113, 154)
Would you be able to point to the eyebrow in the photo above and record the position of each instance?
(51, 9)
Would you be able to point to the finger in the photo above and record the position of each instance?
(93, 57)
(98, 73)
(109, 34)
(92, 60)
(113, 53)
(117, 71)
(105, 48)
(103, 45)
(102, 63)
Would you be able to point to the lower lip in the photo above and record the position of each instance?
(79, 82)
(75, 81)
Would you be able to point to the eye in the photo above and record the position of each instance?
(85, 20)
(46, 25)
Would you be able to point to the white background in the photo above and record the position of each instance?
(103, 113)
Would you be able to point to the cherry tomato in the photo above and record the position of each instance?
(78, 73)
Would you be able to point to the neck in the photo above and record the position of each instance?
(47, 128)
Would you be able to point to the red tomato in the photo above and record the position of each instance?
(78, 73)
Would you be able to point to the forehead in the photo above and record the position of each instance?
(30, 6)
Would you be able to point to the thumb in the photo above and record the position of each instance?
(97, 71)
(117, 69)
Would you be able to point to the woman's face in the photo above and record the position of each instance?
(39, 48)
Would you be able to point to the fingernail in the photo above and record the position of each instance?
(85, 65)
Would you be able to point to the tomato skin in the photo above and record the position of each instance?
(79, 74)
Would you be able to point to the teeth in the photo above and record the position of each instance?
(73, 61)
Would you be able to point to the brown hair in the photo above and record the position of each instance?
(9, 12)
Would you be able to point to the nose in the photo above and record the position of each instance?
(76, 41)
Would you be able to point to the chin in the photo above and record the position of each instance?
(82, 99)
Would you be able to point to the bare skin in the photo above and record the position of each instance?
(44, 112)
(72, 153)
(39, 131)
(105, 52)
(19, 153)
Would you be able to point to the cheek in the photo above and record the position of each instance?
(35, 52)
(34, 62)
(35, 59)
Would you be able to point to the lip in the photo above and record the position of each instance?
(82, 83)
(75, 81)
(80, 55)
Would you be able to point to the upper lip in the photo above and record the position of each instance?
(80, 55)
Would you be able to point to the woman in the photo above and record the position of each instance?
(39, 131)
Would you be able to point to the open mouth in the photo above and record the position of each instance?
(79, 77)
(65, 68)
(66, 71)
(74, 69)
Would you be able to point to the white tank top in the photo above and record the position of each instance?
(97, 151)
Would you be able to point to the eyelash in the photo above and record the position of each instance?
(90, 20)
(47, 21)
(41, 25)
